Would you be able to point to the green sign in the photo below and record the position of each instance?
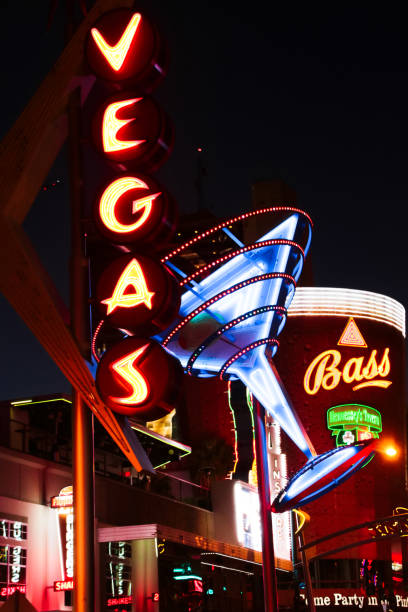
(353, 423)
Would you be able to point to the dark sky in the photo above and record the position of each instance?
(317, 98)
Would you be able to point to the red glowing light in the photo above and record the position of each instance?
(119, 601)
(132, 276)
(115, 55)
(109, 201)
(198, 586)
(133, 131)
(155, 596)
(7, 591)
(63, 585)
(111, 124)
(125, 298)
(233, 220)
(138, 377)
(246, 249)
(125, 368)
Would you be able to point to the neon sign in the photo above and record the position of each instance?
(138, 377)
(116, 54)
(119, 601)
(138, 136)
(63, 585)
(324, 373)
(125, 297)
(322, 474)
(132, 276)
(396, 525)
(127, 369)
(123, 45)
(109, 203)
(135, 293)
(353, 423)
(63, 503)
(111, 124)
(351, 335)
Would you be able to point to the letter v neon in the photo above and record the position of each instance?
(116, 54)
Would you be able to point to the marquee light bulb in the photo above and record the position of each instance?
(110, 198)
(391, 451)
(115, 55)
(111, 125)
(133, 376)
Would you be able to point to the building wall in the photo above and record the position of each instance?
(380, 486)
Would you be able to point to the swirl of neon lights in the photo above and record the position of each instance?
(241, 251)
(205, 305)
(232, 221)
(226, 327)
(247, 349)
(234, 306)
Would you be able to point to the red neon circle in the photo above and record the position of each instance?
(133, 130)
(136, 293)
(137, 377)
(122, 45)
(134, 208)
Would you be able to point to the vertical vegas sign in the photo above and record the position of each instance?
(135, 293)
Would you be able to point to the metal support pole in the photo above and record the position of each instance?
(82, 419)
(306, 572)
(268, 555)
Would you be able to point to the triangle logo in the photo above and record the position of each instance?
(351, 335)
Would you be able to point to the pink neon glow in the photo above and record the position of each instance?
(111, 126)
(115, 55)
(93, 344)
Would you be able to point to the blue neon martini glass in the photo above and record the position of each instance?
(232, 311)
(234, 308)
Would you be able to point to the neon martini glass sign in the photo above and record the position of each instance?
(232, 312)
(228, 318)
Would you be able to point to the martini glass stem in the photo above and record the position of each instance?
(268, 554)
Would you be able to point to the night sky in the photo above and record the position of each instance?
(317, 98)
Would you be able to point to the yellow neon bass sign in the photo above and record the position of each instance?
(326, 370)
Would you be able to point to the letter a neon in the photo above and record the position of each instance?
(133, 276)
(115, 55)
(125, 369)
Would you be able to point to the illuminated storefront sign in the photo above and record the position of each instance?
(328, 369)
(63, 503)
(355, 600)
(353, 423)
(119, 601)
(396, 525)
(13, 558)
(324, 373)
(248, 522)
(63, 585)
